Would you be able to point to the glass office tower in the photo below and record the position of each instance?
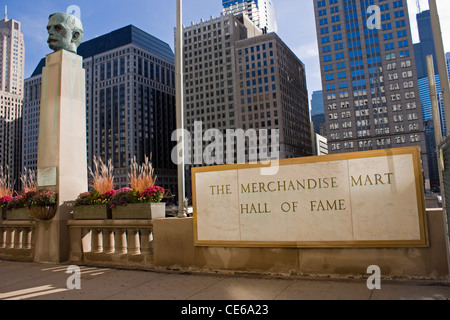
(369, 78)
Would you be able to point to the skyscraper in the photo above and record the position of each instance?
(317, 103)
(272, 92)
(12, 66)
(425, 100)
(237, 77)
(369, 79)
(423, 49)
(318, 113)
(130, 103)
(261, 12)
(426, 45)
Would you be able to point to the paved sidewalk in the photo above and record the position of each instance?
(31, 281)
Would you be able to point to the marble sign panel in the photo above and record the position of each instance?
(366, 199)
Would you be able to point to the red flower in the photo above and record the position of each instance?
(4, 201)
(153, 194)
(108, 195)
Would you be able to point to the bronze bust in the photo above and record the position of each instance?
(65, 32)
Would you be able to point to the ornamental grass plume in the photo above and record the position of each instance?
(29, 182)
(142, 176)
(5, 183)
(102, 176)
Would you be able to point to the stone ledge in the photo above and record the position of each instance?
(21, 255)
(115, 260)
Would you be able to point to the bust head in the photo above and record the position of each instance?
(65, 32)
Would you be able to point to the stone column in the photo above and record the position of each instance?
(62, 154)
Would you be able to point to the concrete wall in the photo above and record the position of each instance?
(174, 249)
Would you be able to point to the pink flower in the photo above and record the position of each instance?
(5, 199)
(84, 194)
(16, 198)
(124, 190)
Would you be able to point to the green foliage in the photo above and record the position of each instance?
(44, 198)
(93, 198)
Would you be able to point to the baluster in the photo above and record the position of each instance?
(9, 244)
(96, 241)
(133, 241)
(26, 238)
(2, 238)
(18, 238)
(108, 241)
(86, 240)
(146, 244)
(23, 238)
(120, 241)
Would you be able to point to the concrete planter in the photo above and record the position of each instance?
(139, 211)
(22, 214)
(2, 214)
(100, 212)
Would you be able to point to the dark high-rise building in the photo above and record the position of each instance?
(318, 113)
(317, 106)
(426, 45)
(423, 49)
(369, 78)
(130, 103)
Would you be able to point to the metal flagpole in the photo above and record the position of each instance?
(180, 111)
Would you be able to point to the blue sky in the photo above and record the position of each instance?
(296, 25)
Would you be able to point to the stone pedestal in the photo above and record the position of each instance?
(62, 154)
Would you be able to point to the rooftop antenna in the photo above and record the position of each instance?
(6, 13)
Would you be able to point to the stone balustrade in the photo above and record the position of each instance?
(111, 242)
(17, 240)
